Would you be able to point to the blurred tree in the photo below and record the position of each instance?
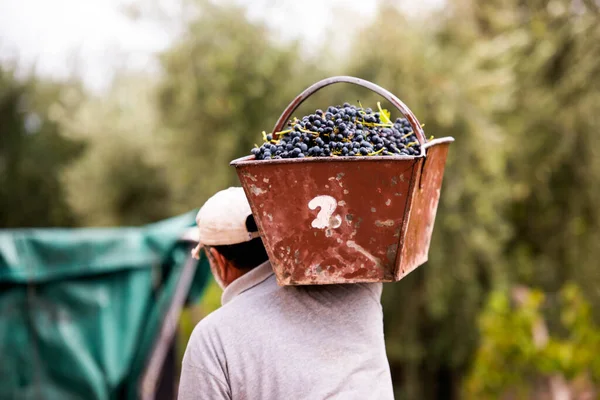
(549, 49)
(33, 153)
(122, 179)
(551, 52)
(225, 81)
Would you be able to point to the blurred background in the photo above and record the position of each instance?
(123, 113)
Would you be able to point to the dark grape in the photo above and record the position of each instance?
(344, 130)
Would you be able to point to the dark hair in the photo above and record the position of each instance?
(246, 255)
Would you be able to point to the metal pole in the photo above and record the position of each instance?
(151, 375)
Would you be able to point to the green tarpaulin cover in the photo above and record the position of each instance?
(81, 308)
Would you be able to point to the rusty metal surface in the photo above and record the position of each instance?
(422, 211)
(330, 221)
(345, 219)
(396, 102)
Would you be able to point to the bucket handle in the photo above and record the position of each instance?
(414, 122)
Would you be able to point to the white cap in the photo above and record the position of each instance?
(222, 219)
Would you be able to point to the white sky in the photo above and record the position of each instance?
(98, 37)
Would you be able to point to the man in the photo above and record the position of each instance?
(270, 342)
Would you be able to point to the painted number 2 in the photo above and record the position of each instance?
(325, 218)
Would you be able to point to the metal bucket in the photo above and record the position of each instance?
(328, 220)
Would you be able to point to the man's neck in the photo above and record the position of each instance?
(232, 274)
(247, 281)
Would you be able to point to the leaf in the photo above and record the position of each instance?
(384, 114)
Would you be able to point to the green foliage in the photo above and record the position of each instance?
(122, 180)
(552, 121)
(515, 348)
(33, 153)
(212, 298)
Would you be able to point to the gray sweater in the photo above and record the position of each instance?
(305, 342)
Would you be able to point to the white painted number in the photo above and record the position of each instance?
(325, 218)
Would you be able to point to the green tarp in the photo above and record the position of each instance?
(80, 308)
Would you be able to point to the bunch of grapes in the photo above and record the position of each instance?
(344, 130)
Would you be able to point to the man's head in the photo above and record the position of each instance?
(229, 236)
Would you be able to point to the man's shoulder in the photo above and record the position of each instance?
(211, 331)
(252, 306)
(221, 318)
(375, 289)
(205, 350)
(205, 330)
(214, 321)
(345, 292)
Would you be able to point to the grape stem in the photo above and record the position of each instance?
(375, 152)
(307, 131)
